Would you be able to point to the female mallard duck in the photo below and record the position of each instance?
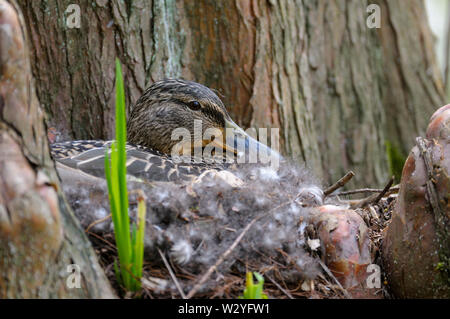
(164, 107)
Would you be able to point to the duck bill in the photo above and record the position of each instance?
(218, 142)
(246, 148)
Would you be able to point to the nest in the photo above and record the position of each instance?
(203, 237)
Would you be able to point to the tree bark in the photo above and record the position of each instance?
(39, 236)
(337, 90)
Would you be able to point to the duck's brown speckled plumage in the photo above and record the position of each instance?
(146, 164)
(164, 106)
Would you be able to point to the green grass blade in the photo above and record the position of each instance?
(111, 180)
(139, 248)
(121, 165)
(110, 191)
(133, 248)
(121, 228)
(259, 286)
(248, 286)
(121, 131)
(130, 246)
(117, 272)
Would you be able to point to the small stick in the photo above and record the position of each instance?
(177, 284)
(221, 259)
(279, 287)
(341, 182)
(366, 190)
(102, 239)
(329, 273)
(98, 221)
(375, 198)
(384, 191)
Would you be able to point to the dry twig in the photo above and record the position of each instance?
(373, 199)
(393, 189)
(329, 273)
(341, 182)
(172, 275)
(98, 221)
(279, 287)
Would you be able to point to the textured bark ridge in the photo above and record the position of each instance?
(336, 89)
(39, 236)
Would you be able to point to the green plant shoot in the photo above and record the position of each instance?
(130, 246)
(254, 291)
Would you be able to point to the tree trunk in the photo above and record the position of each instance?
(337, 89)
(41, 242)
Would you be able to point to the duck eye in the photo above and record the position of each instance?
(194, 105)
